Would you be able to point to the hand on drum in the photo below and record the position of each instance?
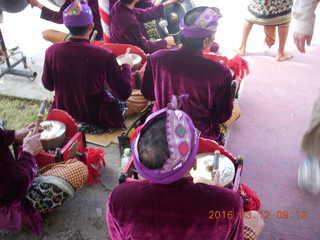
(215, 178)
(32, 144)
(167, 3)
(170, 41)
(20, 134)
(126, 59)
(35, 3)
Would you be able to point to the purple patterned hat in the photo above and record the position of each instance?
(204, 26)
(183, 142)
(77, 15)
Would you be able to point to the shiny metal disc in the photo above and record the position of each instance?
(52, 129)
(203, 173)
(136, 59)
(53, 135)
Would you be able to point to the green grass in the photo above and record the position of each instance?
(16, 112)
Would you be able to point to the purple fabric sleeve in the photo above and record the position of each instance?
(119, 80)
(223, 103)
(147, 86)
(139, 40)
(149, 14)
(8, 136)
(113, 225)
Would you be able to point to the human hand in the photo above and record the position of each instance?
(20, 134)
(32, 144)
(300, 40)
(215, 175)
(35, 3)
(170, 41)
(126, 59)
(167, 3)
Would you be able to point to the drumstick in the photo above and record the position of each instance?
(215, 165)
(128, 51)
(94, 35)
(216, 159)
(40, 115)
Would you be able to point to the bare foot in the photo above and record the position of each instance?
(283, 57)
(241, 51)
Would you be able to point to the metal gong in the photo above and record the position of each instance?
(53, 134)
(173, 15)
(204, 169)
(13, 6)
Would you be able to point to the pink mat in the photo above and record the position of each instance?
(276, 104)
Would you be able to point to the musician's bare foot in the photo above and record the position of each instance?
(283, 56)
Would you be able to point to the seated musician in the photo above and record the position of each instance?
(168, 204)
(140, 4)
(26, 194)
(186, 71)
(126, 25)
(56, 17)
(79, 74)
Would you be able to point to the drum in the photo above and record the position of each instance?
(13, 6)
(205, 167)
(53, 135)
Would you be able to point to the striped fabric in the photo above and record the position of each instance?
(104, 11)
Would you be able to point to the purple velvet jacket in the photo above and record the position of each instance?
(16, 178)
(56, 17)
(140, 4)
(79, 73)
(180, 210)
(185, 71)
(126, 26)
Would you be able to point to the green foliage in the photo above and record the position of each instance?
(16, 112)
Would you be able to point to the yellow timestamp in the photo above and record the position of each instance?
(281, 214)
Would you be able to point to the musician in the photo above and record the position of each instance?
(56, 17)
(186, 71)
(168, 205)
(23, 196)
(79, 74)
(140, 4)
(126, 25)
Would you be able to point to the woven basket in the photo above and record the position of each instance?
(234, 116)
(135, 103)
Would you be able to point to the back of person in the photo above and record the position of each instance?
(81, 72)
(180, 210)
(167, 204)
(186, 71)
(181, 72)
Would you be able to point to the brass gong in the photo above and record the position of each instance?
(204, 169)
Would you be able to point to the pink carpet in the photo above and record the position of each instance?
(276, 104)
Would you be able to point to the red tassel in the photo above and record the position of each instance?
(94, 161)
(250, 198)
(239, 66)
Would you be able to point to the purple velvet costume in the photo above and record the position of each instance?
(79, 73)
(56, 17)
(16, 178)
(180, 210)
(126, 26)
(140, 4)
(184, 71)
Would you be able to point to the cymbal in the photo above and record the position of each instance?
(204, 169)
